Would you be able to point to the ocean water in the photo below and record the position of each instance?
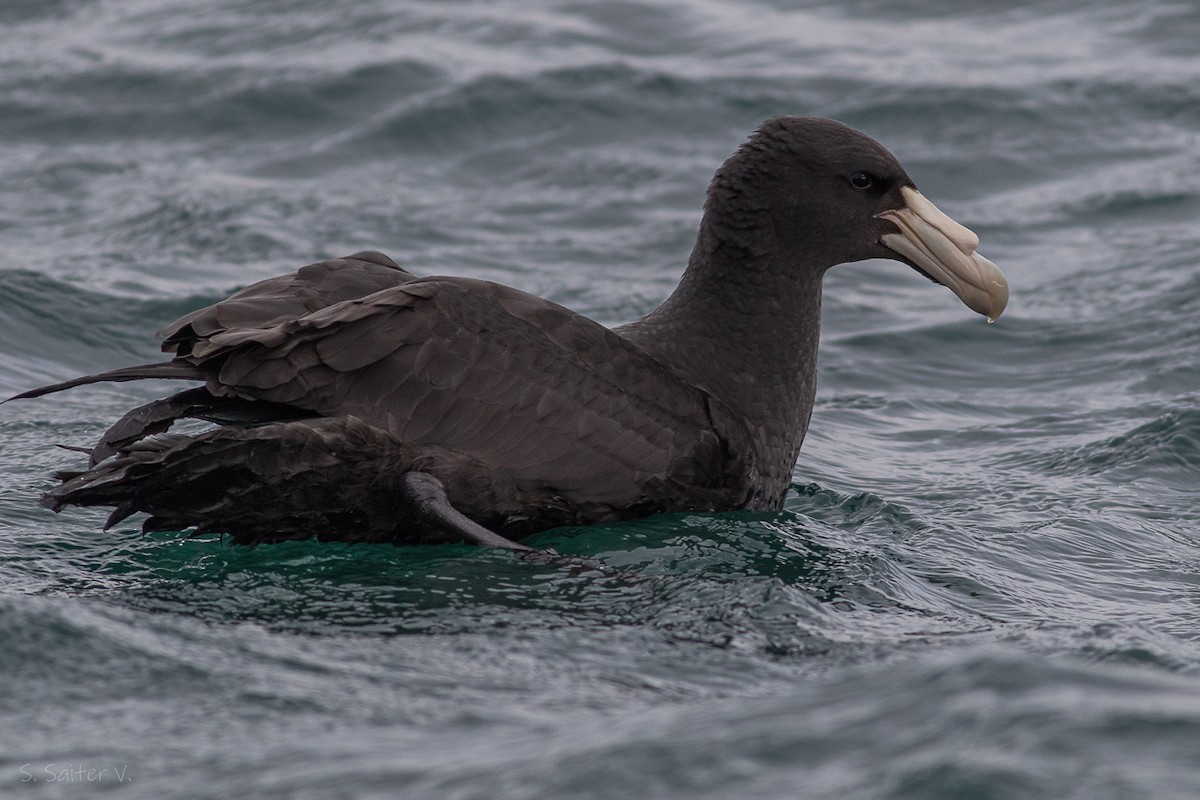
(985, 584)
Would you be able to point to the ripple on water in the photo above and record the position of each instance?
(1165, 451)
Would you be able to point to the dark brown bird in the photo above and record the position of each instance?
(354, 400)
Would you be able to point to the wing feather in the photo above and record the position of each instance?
(286, 297)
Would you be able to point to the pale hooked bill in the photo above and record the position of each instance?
(946, 250)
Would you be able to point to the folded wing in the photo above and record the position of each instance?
(539, 394)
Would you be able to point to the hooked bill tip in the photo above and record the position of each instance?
(946, 251)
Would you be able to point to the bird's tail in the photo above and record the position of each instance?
(335, 479)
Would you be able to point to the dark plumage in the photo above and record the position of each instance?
(355, 400)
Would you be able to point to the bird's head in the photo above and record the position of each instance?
(810, 193)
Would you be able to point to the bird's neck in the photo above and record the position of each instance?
(745, 326)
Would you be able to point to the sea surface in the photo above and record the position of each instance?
(986, 580)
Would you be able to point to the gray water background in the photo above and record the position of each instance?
(985, 584)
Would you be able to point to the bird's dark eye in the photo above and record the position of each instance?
(862, 180)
